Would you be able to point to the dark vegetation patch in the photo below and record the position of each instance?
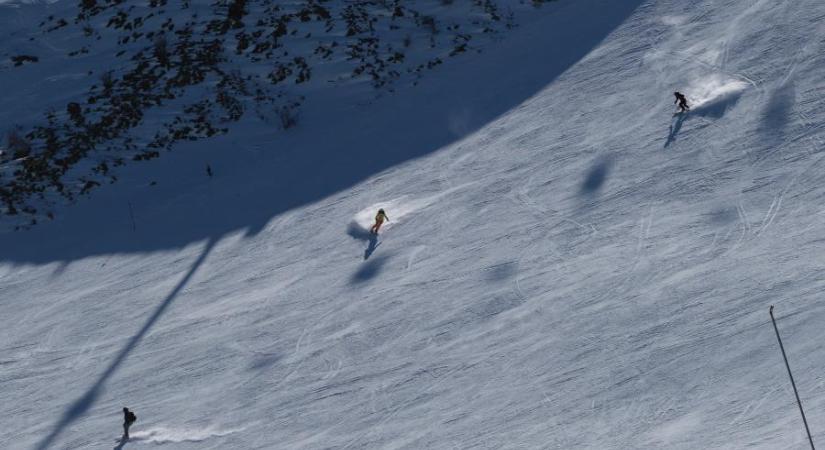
(19, 60)
(212, 65)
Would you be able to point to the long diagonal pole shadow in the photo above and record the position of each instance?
(82, 405)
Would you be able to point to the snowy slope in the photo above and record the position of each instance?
(567, 265)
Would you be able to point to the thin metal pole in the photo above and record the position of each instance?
(798, 401)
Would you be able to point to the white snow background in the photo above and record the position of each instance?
(568, 264)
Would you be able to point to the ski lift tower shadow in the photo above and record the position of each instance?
(369, 269)
(82, 405)
(597, 176)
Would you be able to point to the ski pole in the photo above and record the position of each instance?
(798, 401)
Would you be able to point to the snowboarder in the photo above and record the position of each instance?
(379, 220)
(680, 98)
(128, 419)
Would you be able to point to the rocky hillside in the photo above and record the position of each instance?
(135, 77)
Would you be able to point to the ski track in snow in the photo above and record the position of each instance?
(401, 207)
(161, 435)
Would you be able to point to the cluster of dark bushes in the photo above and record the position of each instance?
(168, 53)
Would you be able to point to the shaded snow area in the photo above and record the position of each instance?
(568, 263)
(95, 85)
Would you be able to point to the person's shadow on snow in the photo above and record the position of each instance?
(675, 126)
(121, 443)
(357, 232)
(371, 248)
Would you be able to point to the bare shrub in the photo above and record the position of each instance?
(161, 50)
(17, 144)
(108, 82)
(288, 116)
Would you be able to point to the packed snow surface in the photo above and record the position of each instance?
(568, 263)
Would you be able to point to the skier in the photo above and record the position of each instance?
(680, 98)
(128, 419)
(379, 220)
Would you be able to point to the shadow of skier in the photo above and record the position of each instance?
(371, 248)
(675, 127)
(356, 231)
